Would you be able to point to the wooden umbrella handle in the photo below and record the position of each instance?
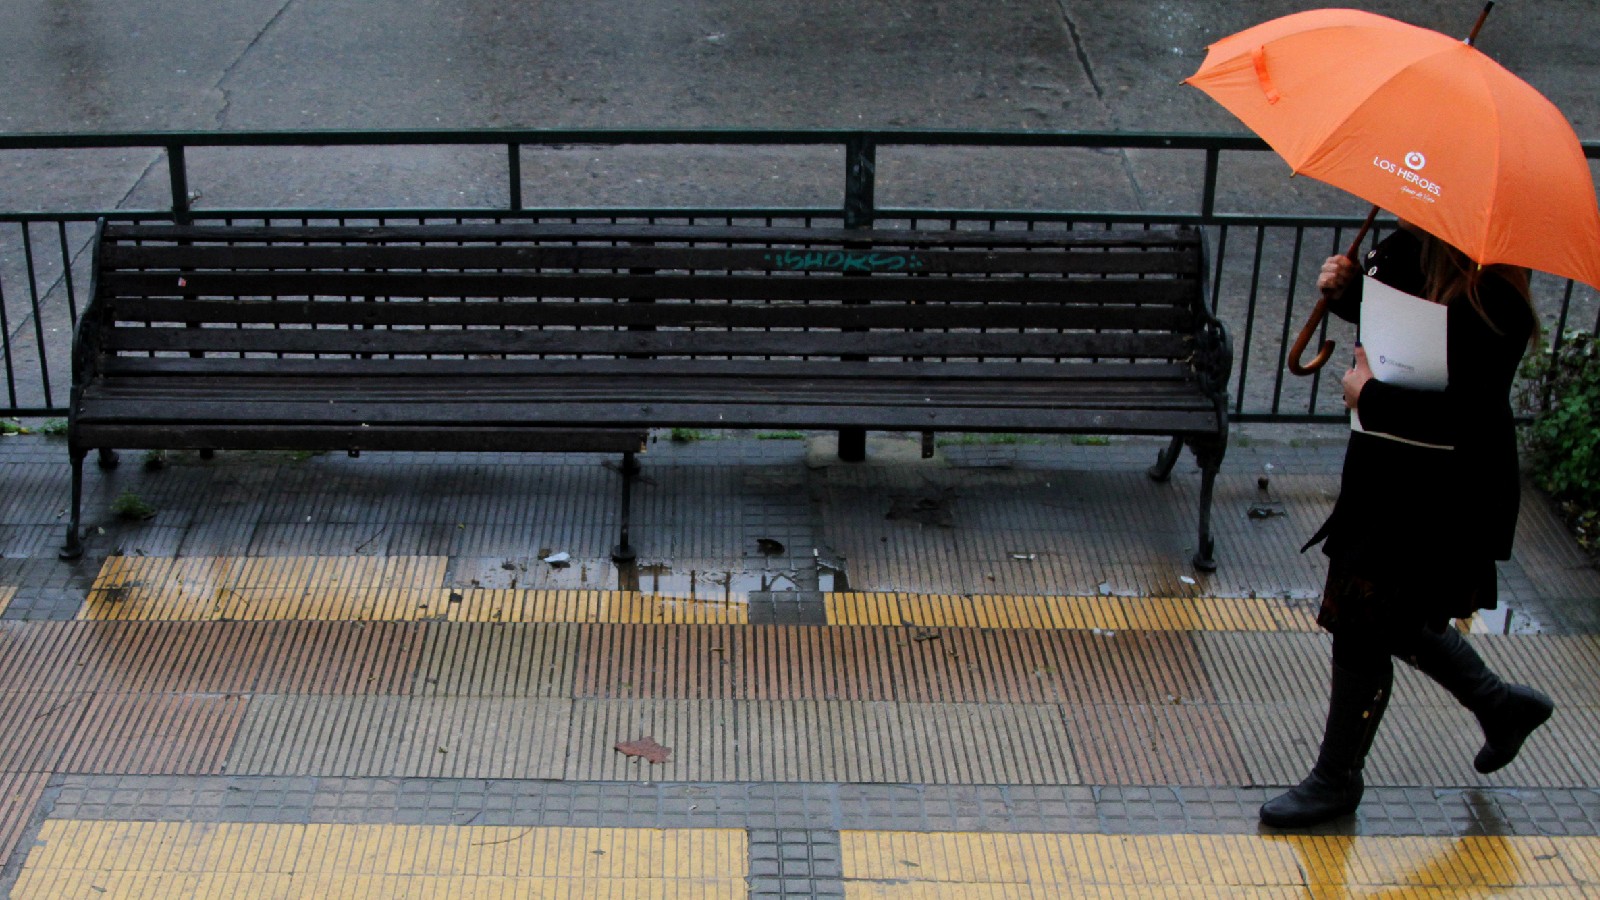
(1306, 331)
(1320, 311)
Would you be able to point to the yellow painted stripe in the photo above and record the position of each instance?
(164, 859)
(311, 588)
(1110, 613)
(403, 588)
(623, 607)
(273, 587)
(906, 864)
(7, 592)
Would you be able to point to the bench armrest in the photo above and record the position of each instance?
(86, 333)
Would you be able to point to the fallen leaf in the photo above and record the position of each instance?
(645, 747)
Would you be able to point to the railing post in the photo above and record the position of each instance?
(1208, 197)
(860, 208)
(178, 176)
(514, 175)
(861, 169)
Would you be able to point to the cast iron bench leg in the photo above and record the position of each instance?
(73, 548)
(1204, 558)
(624, 551)
(1168, 458)
(1208, 453)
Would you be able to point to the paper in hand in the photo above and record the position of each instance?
(1404, 336)
(1406, 339)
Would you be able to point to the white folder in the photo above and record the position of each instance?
(1406, 339)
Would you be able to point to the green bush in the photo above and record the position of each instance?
(1562, 443)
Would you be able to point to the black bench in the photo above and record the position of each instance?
(581, 337)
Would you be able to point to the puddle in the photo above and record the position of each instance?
(663, 579)
(1505, 620)
(725, 585)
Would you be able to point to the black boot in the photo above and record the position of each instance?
(1507, 712)
(1333, 789)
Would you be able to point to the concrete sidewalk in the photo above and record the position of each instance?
(991, 673)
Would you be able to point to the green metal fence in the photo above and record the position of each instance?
(1268, 233)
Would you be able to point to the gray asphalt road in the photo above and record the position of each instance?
(88, 65)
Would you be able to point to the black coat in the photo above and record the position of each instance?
(1404, 510)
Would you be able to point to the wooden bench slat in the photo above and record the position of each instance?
(614, 314)
(435, 437)
(698, 234)
(1087, 261)
(628, 385)
(676, 343)
(256, 371)
(751, 414)
(706, 287)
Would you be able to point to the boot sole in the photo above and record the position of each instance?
(1305, 819)
(1484, 767)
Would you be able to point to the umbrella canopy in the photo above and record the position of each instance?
(1421, 124)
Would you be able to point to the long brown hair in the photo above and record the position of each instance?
(1447, 273)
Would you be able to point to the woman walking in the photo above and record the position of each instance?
(1427, 503)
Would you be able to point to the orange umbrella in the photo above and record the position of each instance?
(1421, 124)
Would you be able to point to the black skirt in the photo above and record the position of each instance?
(1353, 598)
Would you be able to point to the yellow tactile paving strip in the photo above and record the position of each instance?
(1107, 613)
(366, 588)
(171, 859)
(619, 607)
(7, 592)
(164, 859)
(965, 865)
(358, 589)
(309, 588)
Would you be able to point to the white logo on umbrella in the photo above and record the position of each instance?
(1415, 160)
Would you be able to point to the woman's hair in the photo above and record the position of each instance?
(1448, 273)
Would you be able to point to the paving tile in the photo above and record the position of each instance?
(1154, 744)
(20, 794)
(496, 660)
(188, 734)
(36, 728)
(402, 737)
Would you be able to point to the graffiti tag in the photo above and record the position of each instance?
(843, 261)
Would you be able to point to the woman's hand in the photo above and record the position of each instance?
(1354, 380)
(1335, 276)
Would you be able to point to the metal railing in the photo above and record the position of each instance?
(1264, 253)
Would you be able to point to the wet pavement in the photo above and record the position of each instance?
(992, 671)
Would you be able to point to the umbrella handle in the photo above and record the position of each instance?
(1320, 311)
(1306, 331)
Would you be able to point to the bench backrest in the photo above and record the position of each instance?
(641, 292)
